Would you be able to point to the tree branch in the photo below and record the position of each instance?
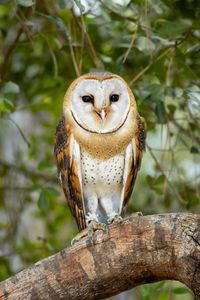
(137, 251)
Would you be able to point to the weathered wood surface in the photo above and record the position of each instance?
(139, 250)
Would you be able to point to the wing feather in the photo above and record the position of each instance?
(67, 154)
(133, 158)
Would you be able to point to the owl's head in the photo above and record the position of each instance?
(99, 102)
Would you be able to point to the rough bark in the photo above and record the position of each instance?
(137, 251)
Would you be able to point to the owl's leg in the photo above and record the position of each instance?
(107, 205)
(92, 217)
(91, 220)
(91, 209)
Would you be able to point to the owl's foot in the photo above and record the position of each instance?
(117, 219)
(91, 228)
(94, 226)
(137, 214)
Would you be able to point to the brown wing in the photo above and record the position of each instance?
(68, 172)
(134, 161)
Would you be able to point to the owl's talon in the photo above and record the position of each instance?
(73, 241)
(79, 236)
(90, 238)
(117, 219)
(140, 214)
(137, 214)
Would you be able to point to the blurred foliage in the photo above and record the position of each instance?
(154, 45)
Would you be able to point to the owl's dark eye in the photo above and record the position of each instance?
(114, 98)
(88, 99)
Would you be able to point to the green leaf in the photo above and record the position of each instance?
(10, 88)
(10, 105)
(26, 3)
(144, 45)
(65, 4)
(61, 25)
(172, 29)
(160, 180)
(158, 190)
(149, 179)
(171, 108)
(3, 108)
(53, 191)
(160, 112)
(181, 290)
(192, 201)
(43, 202)
(80, 5)
(192, 127)
(34, 188)
(159, 285)
(155, 93)
(163, 296)
(194, 150)
(152, 99)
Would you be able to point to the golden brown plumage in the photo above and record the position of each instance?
(74, 141)
(67, 171)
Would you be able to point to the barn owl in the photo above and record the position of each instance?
(98, 147)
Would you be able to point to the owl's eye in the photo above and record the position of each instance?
(114, 98)
(88, 99)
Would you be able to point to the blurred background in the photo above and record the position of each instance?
(44, 45)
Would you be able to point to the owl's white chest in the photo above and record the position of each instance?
(101, 176)
(102, 184)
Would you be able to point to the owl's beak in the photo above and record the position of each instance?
(101, 114)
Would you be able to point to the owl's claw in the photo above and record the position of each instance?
(89, 231)
(79, 236)
(117, 219)
(137, 214)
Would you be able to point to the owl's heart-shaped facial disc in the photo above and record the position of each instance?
(100, 106)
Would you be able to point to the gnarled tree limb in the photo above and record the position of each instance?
(139, 250)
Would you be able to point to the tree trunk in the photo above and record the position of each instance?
(137, 251)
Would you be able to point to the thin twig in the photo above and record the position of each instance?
(131, 43)
(88, 44)
(52, 54)
(149, 66)
(96, 60)
(73, 55)
(147, 28)
(10, 50)
(186, 132)
(25, 28)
